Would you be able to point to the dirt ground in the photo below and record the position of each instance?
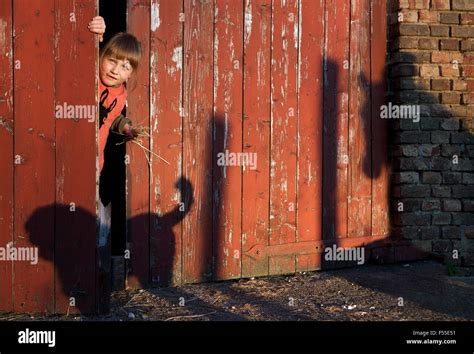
(366, 293)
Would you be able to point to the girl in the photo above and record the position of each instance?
(118, 62)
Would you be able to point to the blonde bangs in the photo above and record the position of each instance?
(123, 46)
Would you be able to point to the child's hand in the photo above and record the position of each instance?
(130, 132)
(97, 25)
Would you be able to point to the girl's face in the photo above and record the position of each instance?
(114, 72)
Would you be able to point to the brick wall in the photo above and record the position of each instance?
(431, 44)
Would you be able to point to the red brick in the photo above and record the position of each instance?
(403, 4)
(467, 19)
(460, 85)
(450, 98)
(466, 5)
(405, 70)
(468, 71)
(468, 98)
(440, 4)
(447, 70)
(449, 17)
(467, 44)
(420, 4)
(429, 71)
(468, 58)
(439, 31)
(409, 29)
(470, 85)
(428, 16)
(462, 31)
(446, 57)
(449, 44)
(407, 16)
(428, 43)
(441, 85)
(414, 84)
(411, 57)
(405, 43)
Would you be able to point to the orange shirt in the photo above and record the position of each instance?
(115, 99)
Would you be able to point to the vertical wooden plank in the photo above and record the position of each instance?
(75, 221)
(35, 150)
(380, 162)
(227, 135)
(6, 151)
(197, 139)
(166, 194)
(283, 131)
(335, 139)
(360, 156)
(256, 133)
(138, 174)
(310, 128)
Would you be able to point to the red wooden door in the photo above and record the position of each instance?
(266, 111)
(288, 82)
(48, 190)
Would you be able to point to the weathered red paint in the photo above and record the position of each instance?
(75, 84)
(33, 288)
(6, 150)
(359, 221)
(310, 129)
(227, 180)
(284, 133)
(138, 171)
(336, 105)
(380, 166)
(253, 76)
(166, 129)
(197, 139)
(256, 132)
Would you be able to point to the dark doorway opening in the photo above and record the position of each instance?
(113, 175)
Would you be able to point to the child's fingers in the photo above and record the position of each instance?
(96, 25)
(97, 28)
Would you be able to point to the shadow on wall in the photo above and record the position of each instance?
(75, 270)
(397, 248)
(75, 264)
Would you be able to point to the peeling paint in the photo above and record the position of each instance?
(155, 16)
(178, 57)
(3, 36)
(6, 125)
(248, 21)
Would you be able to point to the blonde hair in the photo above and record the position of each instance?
(123, 46)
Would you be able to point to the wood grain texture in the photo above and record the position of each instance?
(380, 160)
(167, 203)
(360, 150)
(310, 129)
(138, 171)
(284, 122)
(227, 128)
(197, 139)
(6, 150)
(336, 106)
(75, 211)
(35, 152)
(256, 133)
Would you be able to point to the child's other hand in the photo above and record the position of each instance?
(97, 25)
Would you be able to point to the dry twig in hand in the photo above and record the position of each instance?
(140, 133)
